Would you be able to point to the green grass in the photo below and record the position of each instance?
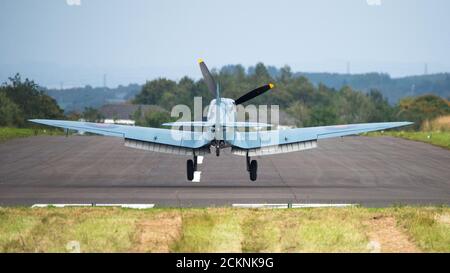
(220, 229)
(429, 227)
(50, 230)
(7, 133)
(203, 231)
(441, 139)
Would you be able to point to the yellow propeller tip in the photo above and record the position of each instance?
(200, 60)
(271, 85)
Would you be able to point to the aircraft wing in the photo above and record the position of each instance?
(154, 139)
(290, 140)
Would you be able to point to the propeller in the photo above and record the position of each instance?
(208, 77)
(254, 93)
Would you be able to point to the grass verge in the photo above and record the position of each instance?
(437, 138)
(398, 229)
(7, 133)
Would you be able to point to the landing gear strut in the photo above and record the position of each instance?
(191, 167)
(252, 168)
(219, 145)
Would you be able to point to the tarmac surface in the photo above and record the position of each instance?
(371, 171)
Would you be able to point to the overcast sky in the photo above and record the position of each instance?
(78, 41)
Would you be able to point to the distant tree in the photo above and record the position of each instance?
(379, 110)
(73, 116)
(30, 99)
(323, 115)
(301, 113)
(154, 118)
(352, 106)
(158, 92)
(422, 108)
(92, 115)
(10, 113)
(285, 74)
(310, 104)
(261, 75)
(137, 115)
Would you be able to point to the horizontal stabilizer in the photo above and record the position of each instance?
(189, 123)
(210, 124)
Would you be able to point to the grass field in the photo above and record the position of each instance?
(437, 138)
(397, 229)
(7, 133)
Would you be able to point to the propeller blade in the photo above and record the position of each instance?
(254, 93)
(208, 77)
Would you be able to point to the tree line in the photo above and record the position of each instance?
(307, 103)
(21, 100)
(393, 89)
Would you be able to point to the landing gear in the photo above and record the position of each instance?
(219, 145)
(191, 167)
(252, 168)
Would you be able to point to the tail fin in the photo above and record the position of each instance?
(217, 94)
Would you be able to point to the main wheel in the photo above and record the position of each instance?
(190, 169)
(253, 170)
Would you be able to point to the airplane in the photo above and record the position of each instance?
(218, 132)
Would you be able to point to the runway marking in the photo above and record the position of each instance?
(254, 206)
(130, 206)
(199, 159)
(285, 206)
(60, 205)
(197, 175)
(323, 205)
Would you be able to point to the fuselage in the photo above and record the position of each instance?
(222, 111)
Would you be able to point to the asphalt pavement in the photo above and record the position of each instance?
(371, 171)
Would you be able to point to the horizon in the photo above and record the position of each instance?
(246, 68)
(76, 42)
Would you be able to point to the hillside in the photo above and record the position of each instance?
(393, 89)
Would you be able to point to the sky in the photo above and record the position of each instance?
(76, 42)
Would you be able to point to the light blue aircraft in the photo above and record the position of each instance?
(218, 132)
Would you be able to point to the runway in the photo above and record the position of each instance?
(372, 171)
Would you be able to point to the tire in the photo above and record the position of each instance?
(253, 170)
(190, 169)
